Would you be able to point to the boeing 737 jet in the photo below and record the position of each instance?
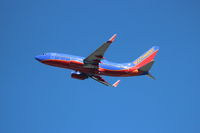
(95, 65)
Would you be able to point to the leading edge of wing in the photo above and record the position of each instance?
(93, 60)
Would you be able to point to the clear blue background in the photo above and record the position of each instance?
(35, 98)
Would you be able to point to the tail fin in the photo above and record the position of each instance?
(146, 57)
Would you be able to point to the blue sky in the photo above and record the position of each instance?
(35, 98)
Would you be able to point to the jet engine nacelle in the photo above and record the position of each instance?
(78, 75)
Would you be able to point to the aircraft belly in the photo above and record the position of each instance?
(113, 72)
(57, 63)
(119, 73)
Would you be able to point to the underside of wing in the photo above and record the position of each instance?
(101, 80)
(93, 60)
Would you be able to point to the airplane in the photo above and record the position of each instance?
(95, 65)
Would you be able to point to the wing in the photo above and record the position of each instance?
(93, 60)
(101, 80)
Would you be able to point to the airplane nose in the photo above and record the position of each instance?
(39, 57)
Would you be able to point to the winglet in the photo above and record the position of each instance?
(116, 83)
(112, 38)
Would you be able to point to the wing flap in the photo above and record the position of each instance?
(101, 80)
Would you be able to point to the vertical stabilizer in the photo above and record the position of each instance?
(146, 57)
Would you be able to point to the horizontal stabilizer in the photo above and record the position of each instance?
(150, 76)
(146, 67)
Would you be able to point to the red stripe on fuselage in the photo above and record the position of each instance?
(74, 65)
(78, 66)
